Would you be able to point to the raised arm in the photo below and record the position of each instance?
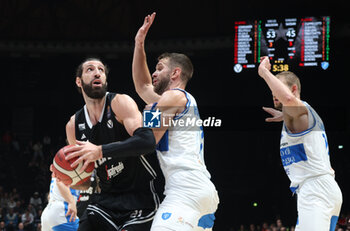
(140, 72)
(295, 113)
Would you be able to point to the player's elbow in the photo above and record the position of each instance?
(142, 89)
(148, 141)
(289, 100)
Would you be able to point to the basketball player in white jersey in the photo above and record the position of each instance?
(60, 214)
(190, 197)
(304, 152)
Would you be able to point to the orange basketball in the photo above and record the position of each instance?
(68, 175)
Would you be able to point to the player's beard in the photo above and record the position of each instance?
(162, 85)
(94, 92)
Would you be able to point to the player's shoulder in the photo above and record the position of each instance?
(123, 105)
(122, 97)
(71, 121)
(122, 100)
(174, 93)
(174, 96)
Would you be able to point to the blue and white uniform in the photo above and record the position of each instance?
(190, 197)
(54, 215)
(305, 157)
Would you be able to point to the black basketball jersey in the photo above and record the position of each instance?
(129, 178)
(84, 196)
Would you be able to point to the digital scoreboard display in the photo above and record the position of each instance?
(288, 42)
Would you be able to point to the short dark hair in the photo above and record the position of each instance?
(182, 61)
(79, 70)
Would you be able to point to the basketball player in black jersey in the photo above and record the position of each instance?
(108, 131)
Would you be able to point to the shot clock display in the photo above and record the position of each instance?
(288, 42)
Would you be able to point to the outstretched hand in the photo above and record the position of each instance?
(85, 151)
(142, 32)
(277, 116)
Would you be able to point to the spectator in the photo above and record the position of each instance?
(38, 227)
(241, 228)
(2, 214)
(38, 151)
(20, 227)
(2, 226)
(11, 203)
(37, 218)
(36, 201)
(11, 220)
(28, 220)
(279, 224)
(252, 227)
(14, 194)
(18, 208)
(32, 210)
(4, 200)
(265, 226)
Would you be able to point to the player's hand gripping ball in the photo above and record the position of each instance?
(68, 175)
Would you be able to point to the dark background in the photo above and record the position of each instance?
(42, 42)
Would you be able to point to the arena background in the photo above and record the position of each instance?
(42, 42)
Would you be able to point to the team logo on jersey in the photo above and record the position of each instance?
(151, 118)
(83, 137)
(110, 123)
(166, 216)
(81, 126)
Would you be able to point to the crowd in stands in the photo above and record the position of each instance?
(25, 178)
(342, 225)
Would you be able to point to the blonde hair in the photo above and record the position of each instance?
(290, 79)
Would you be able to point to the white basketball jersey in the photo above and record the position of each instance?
(306, 154)
(55, 193)
(181, 147)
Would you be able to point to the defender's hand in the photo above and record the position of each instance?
(142, 32)
(277, 116)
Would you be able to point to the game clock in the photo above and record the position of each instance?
(288, 42)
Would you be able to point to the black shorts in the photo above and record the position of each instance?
(96, 218)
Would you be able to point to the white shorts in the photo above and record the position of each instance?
(190, 203)
(54, 218)
(319, 202)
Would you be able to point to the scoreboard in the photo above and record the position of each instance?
(288, 42)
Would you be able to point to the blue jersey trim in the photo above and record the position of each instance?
(207, 221)
(187, 104)
(334, 221)
(294, 189)
(303, 132)
(163, 144)
(70, 226)
(154, 106)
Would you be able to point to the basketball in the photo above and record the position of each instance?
(68, 175)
